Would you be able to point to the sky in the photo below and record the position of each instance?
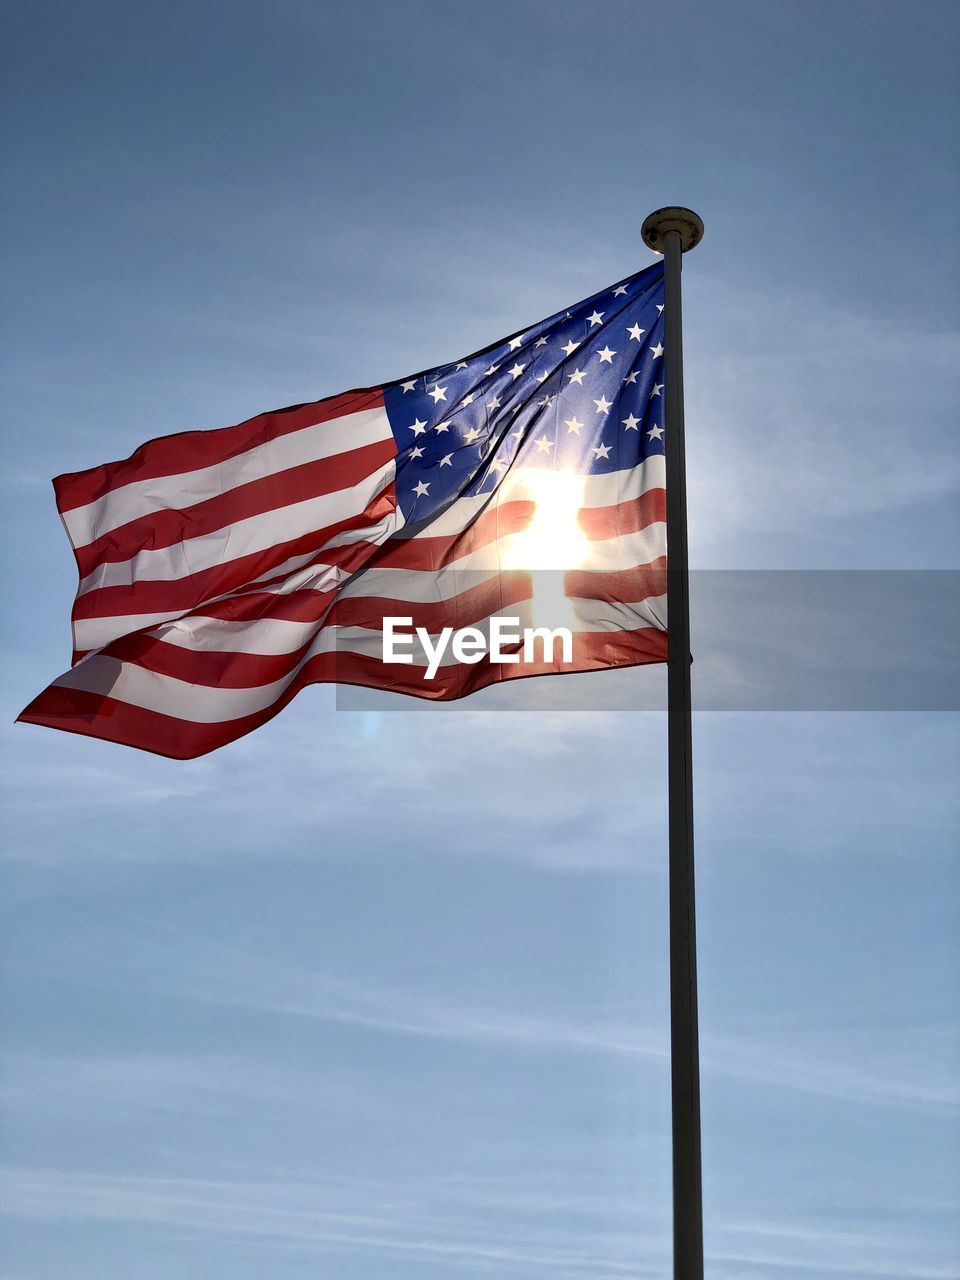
(383, 992)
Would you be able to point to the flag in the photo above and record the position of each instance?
(221, 571)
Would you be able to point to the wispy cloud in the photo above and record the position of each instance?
(803, 418)
(846, 1071)
(904, 1269)
(572, 793)
(293, 1213)
(870, 1066)
(514, 772)
(436, 1222)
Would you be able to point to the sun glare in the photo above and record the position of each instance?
(551, 544)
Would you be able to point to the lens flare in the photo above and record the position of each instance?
(551, 544)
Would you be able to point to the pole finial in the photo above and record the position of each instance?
(673, 218)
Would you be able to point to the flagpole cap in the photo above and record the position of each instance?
(685, 221)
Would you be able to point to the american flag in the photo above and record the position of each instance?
(222, 571)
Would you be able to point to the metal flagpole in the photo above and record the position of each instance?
(672, 232)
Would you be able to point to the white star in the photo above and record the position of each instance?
(660, 307)
(447, 460)
(573, 426)
(493, 369)
(621, 288)
(461, 365)
(577, 377)
(603, 405)
(570, 348)
(421, 488)
(631, 378)
(517, 435)
(657, 388)
(631, 423)
(596, 318)
(546, 402)
(542, 377)
(498, 465)
(408, 386)
(467, 400)
(442, 426)
(540, 342)
(635, 331)
(438, 394)
(516, 343)
(543, 445)
(473, 434)
(517, 370)
(416, 452)
(601, 451)
(655, 433)
(657, 350)
(606, 355)
(418, 427)
(494, 403)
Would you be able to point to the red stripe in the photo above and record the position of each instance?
(214, 669)
(104, 717)
(188, 593)
(307, 605)
(623, 586)
(269, 493)
(472, 605)
(513, 516)
(624, 517)
(168, 455)
(436, 552)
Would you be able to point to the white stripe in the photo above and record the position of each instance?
(262, 636)
(614, 555)
(599, 490)
(602, 615)
(427, 586)
(167, 695)
(614, 487)
(255, 533)
(602, 555)
(607, 490)
(95, 633)
(175, 492)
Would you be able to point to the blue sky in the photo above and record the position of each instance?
(373, 994)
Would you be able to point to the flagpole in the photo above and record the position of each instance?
(672, 232)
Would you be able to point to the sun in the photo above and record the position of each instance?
(551, 544)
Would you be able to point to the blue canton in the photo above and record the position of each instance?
(581, 391)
